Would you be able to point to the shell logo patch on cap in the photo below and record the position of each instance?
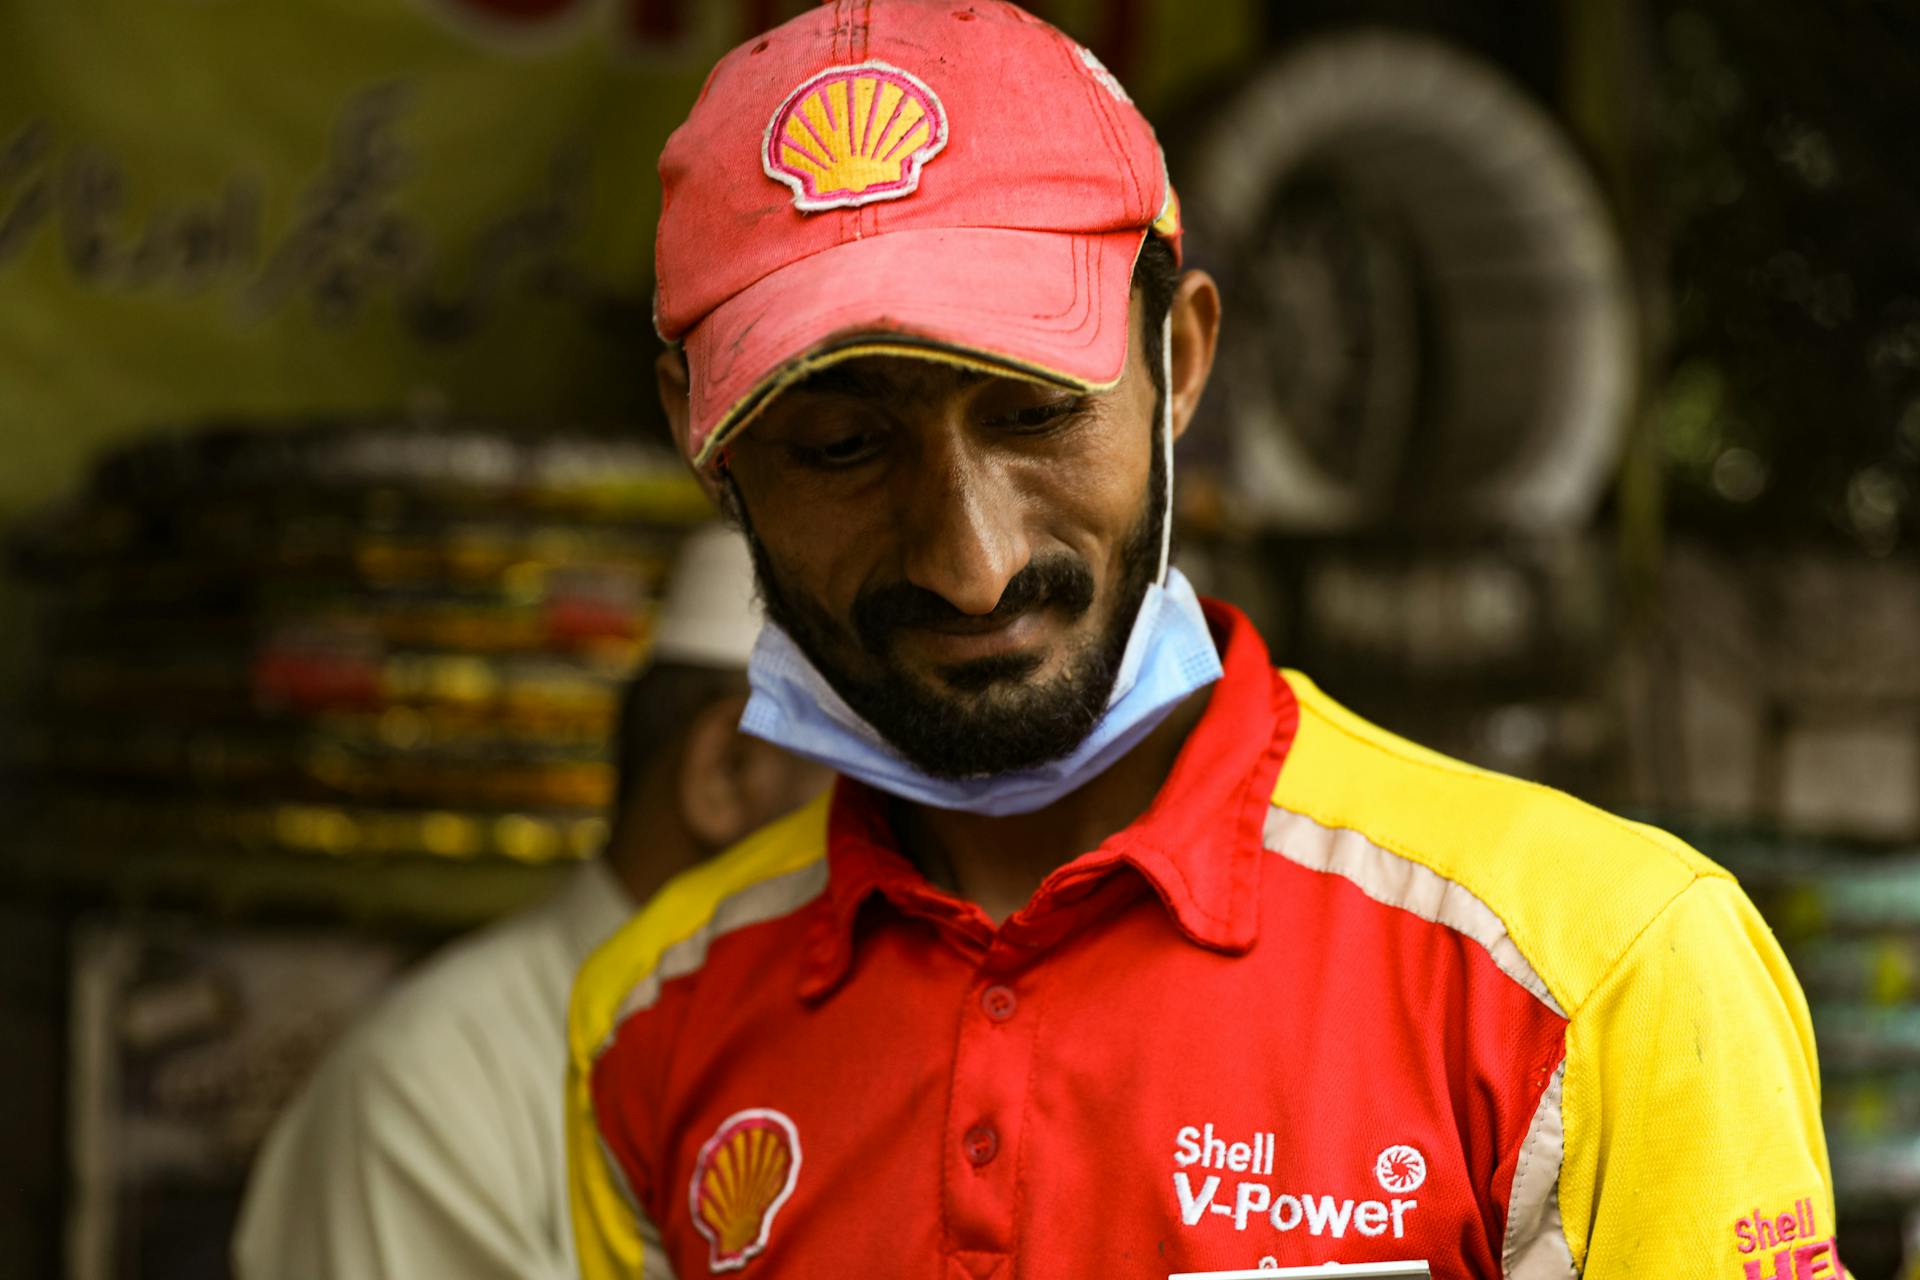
(853, 135)
(745, 1172)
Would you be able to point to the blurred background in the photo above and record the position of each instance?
(1569, 420)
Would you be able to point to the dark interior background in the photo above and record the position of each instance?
(1570, 423)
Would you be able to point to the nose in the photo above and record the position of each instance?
(961, 516)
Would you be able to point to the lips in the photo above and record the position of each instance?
(966, 639)
(973, 626)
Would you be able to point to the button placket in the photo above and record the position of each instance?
(997, 1038)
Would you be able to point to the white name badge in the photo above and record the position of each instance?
(1328, 1271)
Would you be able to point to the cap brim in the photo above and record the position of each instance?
(1049, 306)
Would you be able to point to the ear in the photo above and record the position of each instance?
(670, 375)
(714, 800)
(1196, 334)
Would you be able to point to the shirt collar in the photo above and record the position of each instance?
(1198, 845)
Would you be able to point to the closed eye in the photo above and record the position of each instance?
(1038, 417)
(846, 451)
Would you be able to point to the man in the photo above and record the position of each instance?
(1116, 952)
(430, 1142)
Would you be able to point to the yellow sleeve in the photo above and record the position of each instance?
(612, 1234)
(613, 1237)
(783, 865)
(1692, 1106)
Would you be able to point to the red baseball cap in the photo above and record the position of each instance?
(947, 179)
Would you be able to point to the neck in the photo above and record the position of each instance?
(999, 862)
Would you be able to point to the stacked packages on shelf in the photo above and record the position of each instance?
(344, 639)
(1849, 920)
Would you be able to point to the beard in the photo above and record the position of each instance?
(991, 715)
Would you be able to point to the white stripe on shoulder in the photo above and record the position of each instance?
(1536, 1245)
(1396, 881)
(757, 903)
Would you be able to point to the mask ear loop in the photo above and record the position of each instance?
(1166, 441)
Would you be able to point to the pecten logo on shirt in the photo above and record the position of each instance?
(1206, 1186)
(745, 1172)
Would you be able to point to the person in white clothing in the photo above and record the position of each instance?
(429, 1143)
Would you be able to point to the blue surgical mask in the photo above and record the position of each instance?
(1170, 654)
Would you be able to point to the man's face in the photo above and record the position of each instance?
(961, 555)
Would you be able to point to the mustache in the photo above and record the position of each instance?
(1062, 581)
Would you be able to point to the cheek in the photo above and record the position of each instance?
(1101, 493)
(820, 545)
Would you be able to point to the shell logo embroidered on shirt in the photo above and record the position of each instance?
(853, 135)
(1789, 1245)
(745, 1172)
(1206, 1188)
(1400, 1168)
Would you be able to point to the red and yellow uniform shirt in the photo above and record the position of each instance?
(1332, 997)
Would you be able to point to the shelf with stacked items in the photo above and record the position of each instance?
(365, 642)
(1848, 916)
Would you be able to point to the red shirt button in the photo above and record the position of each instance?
(999, 1002)
(981, 1144)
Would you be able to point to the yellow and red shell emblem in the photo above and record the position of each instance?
(853, 135)
(745, 1172)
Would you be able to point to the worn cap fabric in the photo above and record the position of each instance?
(956, 181)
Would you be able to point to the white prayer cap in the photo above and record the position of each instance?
(710, 616)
